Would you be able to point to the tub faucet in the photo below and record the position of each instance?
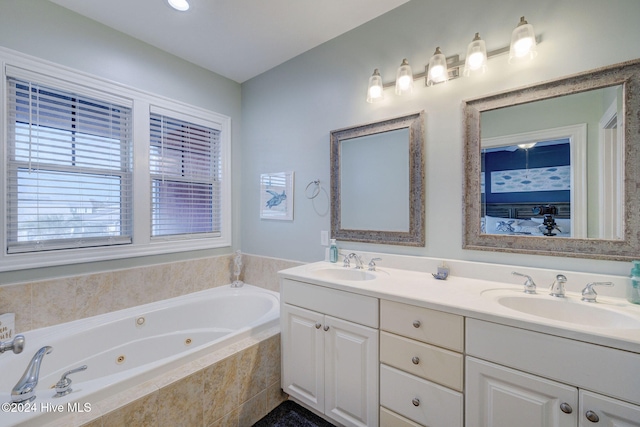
(557, 287)
(16, 345)
(24, 390)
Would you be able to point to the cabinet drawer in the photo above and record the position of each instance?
(424, 360)
(391, 419)
(419, 400)
(431, 326)
(356, 308)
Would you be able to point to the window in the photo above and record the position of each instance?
(68, 169)
(93, 170)
(186, 174)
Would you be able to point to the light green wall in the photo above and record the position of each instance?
(289, 111)
(47, 31)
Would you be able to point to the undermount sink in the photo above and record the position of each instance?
(351, 274)
(570, 310)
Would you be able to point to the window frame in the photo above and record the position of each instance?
(65, 78)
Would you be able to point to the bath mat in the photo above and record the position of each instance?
(290, 414)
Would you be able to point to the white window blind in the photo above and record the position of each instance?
(68, 169)
(186, 175)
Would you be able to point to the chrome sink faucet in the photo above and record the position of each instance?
(24, 390)
(359, 263)
(557, 287)
(529, 284)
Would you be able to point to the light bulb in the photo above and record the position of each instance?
(523, 43)
(181, 5)
(437, 68)
(374, 91)
(475, 60)
(476, 56)
(404, 79)
(404, 82)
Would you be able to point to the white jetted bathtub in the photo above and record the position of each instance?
(127, 347)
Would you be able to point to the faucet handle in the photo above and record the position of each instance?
(372, 263)
(63, 386)
(345, 261)
(529, 284)
(16, 345)
(589, 294)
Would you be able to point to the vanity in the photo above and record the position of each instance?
(396, 347)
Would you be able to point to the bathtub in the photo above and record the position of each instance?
(128, 347)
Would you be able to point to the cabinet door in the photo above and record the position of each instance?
(302, 343)
(502, 397)
(601, 411)
(351, 373)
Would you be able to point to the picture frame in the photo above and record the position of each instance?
(276, 196)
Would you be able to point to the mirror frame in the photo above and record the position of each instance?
(416, 234)
(626, 74)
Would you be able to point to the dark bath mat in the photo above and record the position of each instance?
(290, 414)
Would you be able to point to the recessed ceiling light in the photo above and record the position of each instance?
(180, 5)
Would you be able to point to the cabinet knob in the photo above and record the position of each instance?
(592, 416)
(415, 360)
(326, 328)
(318, 325)
(566, 408)
(416, 323)
(416, 401)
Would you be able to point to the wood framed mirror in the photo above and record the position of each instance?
(598, 174)
(377, 182)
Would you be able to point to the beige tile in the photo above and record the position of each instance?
(17, 299)
(270, 350)
(275, 396)
(251, 373)
(229, 420)
(180, 404)
(142, 412)
(252, 410)
(53, 302)
(220, 389)
(93, 294)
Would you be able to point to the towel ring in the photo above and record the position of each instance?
(315, 191)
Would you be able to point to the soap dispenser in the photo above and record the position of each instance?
(333, 251)
(633, 289)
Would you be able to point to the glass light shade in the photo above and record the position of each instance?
(375, 89)
(181, 5)
(404, 79)
(527, 146)
(476, 60)
(523, 43)
(437, 68)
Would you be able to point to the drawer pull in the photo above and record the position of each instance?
(318, 325)
(326, 328)
(416, 323)
(566, 408)
(592, 416)
(415, 360)
(416, 401)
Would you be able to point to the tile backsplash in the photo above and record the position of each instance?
(49, 302)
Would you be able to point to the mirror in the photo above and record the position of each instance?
(377, 182)
(554, 168)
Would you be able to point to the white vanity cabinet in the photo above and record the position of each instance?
(421, 366)
(516, 377)
(329, 342)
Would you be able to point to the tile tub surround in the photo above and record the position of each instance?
(50, 302)
(235, 386)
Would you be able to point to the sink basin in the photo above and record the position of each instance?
(570, 310)
(351, 274)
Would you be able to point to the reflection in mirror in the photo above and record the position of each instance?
(554, 167)
(547, 165)
(377, 182)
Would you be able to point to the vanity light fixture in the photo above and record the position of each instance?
(375, 90)
(437, 68)
(441, 69)
(404, 78)
(180, 5)
(523, 42)
(476, 60)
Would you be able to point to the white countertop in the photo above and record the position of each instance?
(469, 298)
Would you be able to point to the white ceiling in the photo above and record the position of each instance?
(238, 39)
